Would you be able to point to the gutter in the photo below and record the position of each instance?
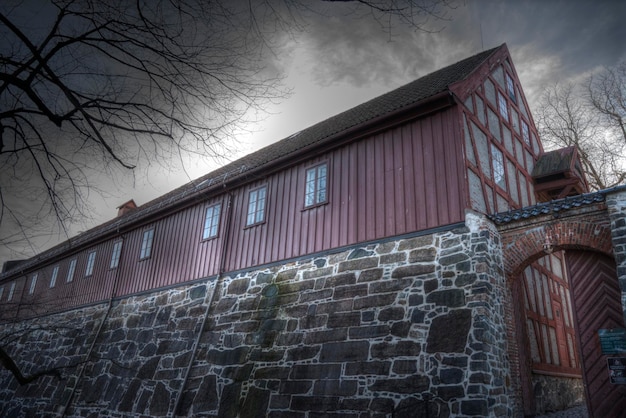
(209, 300)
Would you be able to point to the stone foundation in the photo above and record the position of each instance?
(403, 328)
(554, 393)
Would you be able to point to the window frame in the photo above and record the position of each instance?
(91, 262)
(316, 186)
(11, 291)
(262, 211)
(71, 270)
(147, 243)
(510, 87)
(33, 283)
(1, 292)
(211, 230)
(503, 106)
(53, 278)
(116, 254)
(498, 168)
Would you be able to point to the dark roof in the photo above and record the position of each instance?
(552, 207)
(554, 162)
(396, 100)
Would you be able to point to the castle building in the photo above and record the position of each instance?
(417, 255)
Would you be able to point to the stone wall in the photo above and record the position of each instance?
(408, 327)
(553, 393)
(616, 203)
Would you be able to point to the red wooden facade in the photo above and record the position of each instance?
(469, 143)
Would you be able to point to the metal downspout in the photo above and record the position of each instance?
(196, 343)
(93, 343)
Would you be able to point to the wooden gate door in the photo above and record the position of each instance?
(597, 305)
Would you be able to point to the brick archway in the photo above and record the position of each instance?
(530, 234)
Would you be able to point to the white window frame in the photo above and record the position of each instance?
(33, 283)
(53, 278)
(91, 261)
(211, 221)
(316, 185)
(116, 254)
(257, 202)
(71, 270)
(147, 241)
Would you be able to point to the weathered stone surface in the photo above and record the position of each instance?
(256, 403)
(413, 270)
(452, 298)
(345, 351)
(412, 384)
(423, 255)
(358, 264)
(448, 333)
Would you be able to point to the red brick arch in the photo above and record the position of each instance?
(525, 242)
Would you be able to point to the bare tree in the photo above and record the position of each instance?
(90, 86)
(577, 116)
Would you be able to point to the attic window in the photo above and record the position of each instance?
(510, 88)
(502, 106)
(497, 162)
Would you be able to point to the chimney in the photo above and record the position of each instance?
(124, 208)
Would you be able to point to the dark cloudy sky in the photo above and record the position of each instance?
(340, 61)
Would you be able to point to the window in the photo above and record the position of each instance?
(1, 292)
(497, 162)
(256, 206)
(525, 133)
(11, 291)
(70, 271)
(115, 256)
(316, 186)
(211, 221)
(502, 106)
(91, 260)
(146, 244)
(53, 279)
(33, 283)
(510, 88)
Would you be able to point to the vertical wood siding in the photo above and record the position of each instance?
(397, 181)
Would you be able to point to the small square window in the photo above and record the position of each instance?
(115, 256)
(33, 284)
(53, 279)
(146, 244)
(211, 221)
(91, 260)
(502, 106)
(256, 206)
(316, 185)
(70, 271)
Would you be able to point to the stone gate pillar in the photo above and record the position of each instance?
(616, 206)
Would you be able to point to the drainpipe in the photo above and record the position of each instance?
(209, 299)
(93, 342)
